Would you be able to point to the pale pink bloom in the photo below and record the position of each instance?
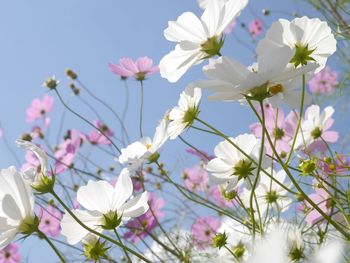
(140, 227)
(50, 221)
(203, 230)
(10, 254)
(281, 129)
(255, 27)
(67, 151)
(339, 165)
(203, 156)
(324, 81)
(139, 69)
(322, 199)
(39, 108)
(195, 178)
(221, 201)
(96, 138)
(32, 161)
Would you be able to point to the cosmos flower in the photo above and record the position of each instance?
(195, 178)
(196, 38)
(17, 206)
(50, 221)
(96, 138)
(107, 207)
(324, 81)
(310, 39)
(39, 109)
(183, 115)
(10, 254)
(203, 230)
(139, 69)
(255, 27)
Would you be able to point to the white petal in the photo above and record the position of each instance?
(122, 190)
(136, 206)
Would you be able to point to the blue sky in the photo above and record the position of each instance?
(43, 38)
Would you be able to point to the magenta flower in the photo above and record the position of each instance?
(203, 230)
(96, 138)
(324, 81)
(195, 178)
(10, 254)
(138, 69)
(255, 27)
(280, 128)
(50, 221)
(67, 151)
(39, 108)
(215, 193)
(140, 227)
(203, 156)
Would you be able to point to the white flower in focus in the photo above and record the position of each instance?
(310, 38)
(231, 168)
(107, 207)
(197, 38)
(17, 206)
(183, 115)
(144, 149)
(315, 127)
(271, 78)
(31, 175)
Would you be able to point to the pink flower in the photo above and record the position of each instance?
(280, 128)
(96, 138)
(10, 254)
(195, 178)
(31, 161)
(203, 230)
(138, 69)
(339, 165)
(203, 156)
(50, 221)
(67, 151)
(215, 193)
(140, 227)
(324, 81)
(255, 27)
(39, 108)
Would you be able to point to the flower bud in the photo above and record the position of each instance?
(71, 74)
(51, 83)
(220, 240)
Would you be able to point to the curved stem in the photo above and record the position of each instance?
(125, 251)
(141, 109)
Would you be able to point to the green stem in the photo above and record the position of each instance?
(141, 108)
(42, 235)
(299, 121)
(96, 232)
(125, 251)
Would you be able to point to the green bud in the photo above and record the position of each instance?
(239, 250)
(51, 83)
(220, 240)
(95, 251)
(229, 195)
(307, 167)
(153, 158)
(212, 46)
(44, 184)
(71, 74)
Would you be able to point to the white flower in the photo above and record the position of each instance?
(17, 206)
(183, 115)
(197, 38)
(315, 127)
(107, 207)
(239, 241)
(136, 153)
(271, 78)
(31, 174)
(311, 39)
(329, 252)
(231, 168)
(269, 194)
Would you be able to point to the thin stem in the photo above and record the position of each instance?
(120, 240)
(299, 120)
(42, 235)
(84, 119)
(141, 108)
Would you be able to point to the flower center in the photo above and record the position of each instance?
(7, 255)
(243, 169)
(278, 133)
(302, 55)
(190, 115)
(271, 196)
(316, 133)
(275, 89)
(212, 46)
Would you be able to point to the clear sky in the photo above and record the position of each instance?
(43, 38)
